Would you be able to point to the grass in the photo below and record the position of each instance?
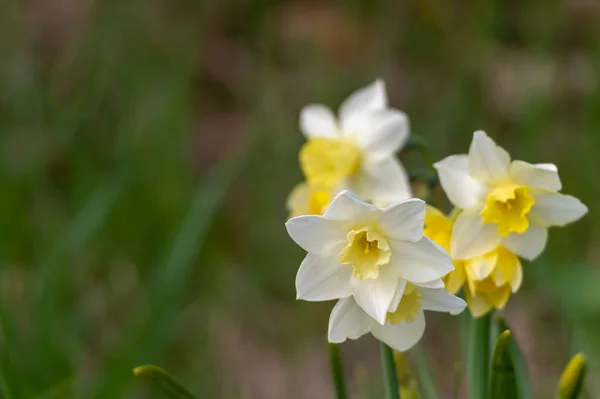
(147, 150)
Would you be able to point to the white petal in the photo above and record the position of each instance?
(384, 133)
(421, 261)
(541, 175)
(322, 278)
(529, 244)
(376, 295)
(383, 182)
(404, 220)
(398, 295)
(555, 209)
(348, 320)
(317, 234)
(487, 160)
(462, 190)
(440, 301)
(471, 237)
(317, 120)
(353, 109)
(347, 206)
(433, 284)
(401, 336)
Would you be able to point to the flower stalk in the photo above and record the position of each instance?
(337, 370)
(478, 357)
(392, 389)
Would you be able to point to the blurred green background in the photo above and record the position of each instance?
(147, 149)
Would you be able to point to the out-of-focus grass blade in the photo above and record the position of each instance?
(519, 362)
(4, 388)
(571, 380)
(426, 382)
(478, 357)
(147, 337)
(163, 381)
(503, 381)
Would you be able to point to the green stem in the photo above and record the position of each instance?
(392, 390)
(337, 370)
(478, 357)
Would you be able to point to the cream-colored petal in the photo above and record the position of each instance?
(385, 132)
(348, 320)
(488, 161)
(382, 182)
(530, 244)
(420, 262)
(374, 296)
(471, 237)
(461, 188)
(398, 295)
(316, 120)
(542, 175)
(555, 209)
(317, 234)
(404, 220)
(401, 336)
(354, 108)
(441, 301)
(322, 278)
(346, 206)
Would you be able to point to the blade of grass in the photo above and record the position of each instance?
(163, 381)
(478, 357)
(426, 382)
(390, 378)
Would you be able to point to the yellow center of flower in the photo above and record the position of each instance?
(438, 227)
(508, 206)
(408, 308)
(366, 251)
(327, 161)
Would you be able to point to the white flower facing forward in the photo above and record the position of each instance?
(404, 322)
(358, 148)
(504, 203)
(357, 249)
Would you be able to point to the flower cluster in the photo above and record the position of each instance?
(503, 211)
(355, 151)
(385, 257)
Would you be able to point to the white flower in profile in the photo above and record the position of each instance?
(405, 322)
(357, 249)
(504, 203)
(358, 147)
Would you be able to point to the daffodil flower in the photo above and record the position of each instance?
(404, 322)
(509, 204)
(310, 199)
(360, 250)
(489, 279)
(358, 147)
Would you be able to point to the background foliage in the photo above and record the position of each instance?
(147, 148)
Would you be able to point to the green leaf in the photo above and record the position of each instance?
(519, 362)
(337, 370)
(571, 380)
(390, 378)
(503, 381)
(163, 381)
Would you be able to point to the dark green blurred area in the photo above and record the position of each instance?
(147, 149)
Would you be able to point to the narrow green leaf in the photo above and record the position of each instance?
(163, 381)
(519, 362)
(392, 389)
(4, 388)
(478, 357)
(503, 381)
(337, 370)
(426, 383)
(571, 380)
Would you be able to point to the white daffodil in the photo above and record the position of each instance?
(357, 249)
(404, 323)
(504, 203)
(358, 147)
